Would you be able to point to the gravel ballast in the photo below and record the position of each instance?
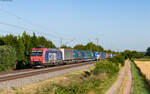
(36, 78)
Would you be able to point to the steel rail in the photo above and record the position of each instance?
(42, 71)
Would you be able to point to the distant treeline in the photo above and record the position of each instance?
(88, 47)
(134, 54)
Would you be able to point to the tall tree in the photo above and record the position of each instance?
(148, 51)
(10, 40)
(92, 47)
(79, 47)
(45, 43)
(34, 40)
(21, 50)
(27, 43)
(1, 41)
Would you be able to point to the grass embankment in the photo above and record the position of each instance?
(106, 84)
(91, 82)
(94, 81)
(64, 79)
(140, 85)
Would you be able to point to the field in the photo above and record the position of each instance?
(144, 67)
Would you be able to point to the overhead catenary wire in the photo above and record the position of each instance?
(21, 27)
(31, 23)
(25, 28)
(55, 34)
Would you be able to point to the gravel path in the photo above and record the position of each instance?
(126, 71)
(128, 87)
(36, 78)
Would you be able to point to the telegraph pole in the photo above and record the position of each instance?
(61, 40)
(97, 41)
(70, 41)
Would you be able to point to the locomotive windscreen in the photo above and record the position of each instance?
(36, 53)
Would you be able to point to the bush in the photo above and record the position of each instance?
(105, 67)
(75, 87)
(7, 58)
(86, 85)
(118, 59)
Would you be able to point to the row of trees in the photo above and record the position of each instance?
(88, 47)
(23, 45)
(133, 54)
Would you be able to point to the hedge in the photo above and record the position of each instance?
(7, 58)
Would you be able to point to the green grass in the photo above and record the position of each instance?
(140, 85)
(97, 81)
(106, 84)
(91, 83)
(97, 86)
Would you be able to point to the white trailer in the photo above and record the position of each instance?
(67, 54)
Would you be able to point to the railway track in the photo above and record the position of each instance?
(27, 73)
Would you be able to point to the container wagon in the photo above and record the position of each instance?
(106, 56)
(77, 54)
(109, 55)
(102, 55)
(85, 55)
(68, 55)
(96, 55)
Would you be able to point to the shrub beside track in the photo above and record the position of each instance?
(7, 58)
(90, 82)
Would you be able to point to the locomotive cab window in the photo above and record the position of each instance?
(36, 53)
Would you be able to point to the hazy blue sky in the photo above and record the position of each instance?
(119, 24)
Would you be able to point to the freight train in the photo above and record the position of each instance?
(44, 57)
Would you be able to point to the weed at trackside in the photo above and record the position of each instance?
(92, 82)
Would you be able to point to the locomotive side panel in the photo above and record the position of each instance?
(53, 57)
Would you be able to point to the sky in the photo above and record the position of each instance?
(117, 24)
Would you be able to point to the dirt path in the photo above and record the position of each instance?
(123, 83)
